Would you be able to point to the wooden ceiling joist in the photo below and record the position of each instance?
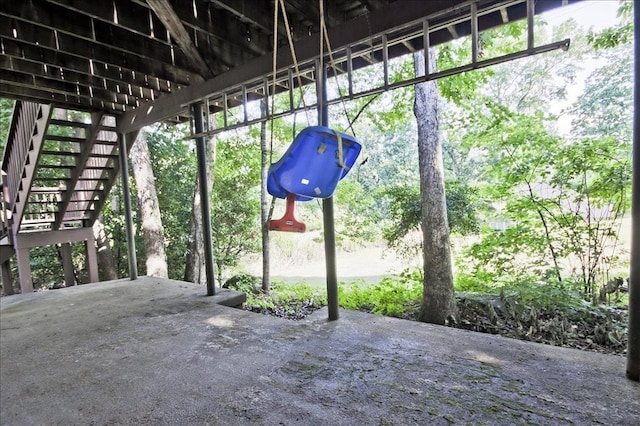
(164, 11)
(50, 61)
(165, 65)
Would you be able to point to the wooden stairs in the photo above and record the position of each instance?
(57, 170)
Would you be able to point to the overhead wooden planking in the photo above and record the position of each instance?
(66, 75)
(132, 16)
(167, 15)
(164, 66)
(50, 59)
(66, 88)
(139, 18)
(308, 13)
(215, 22)
(67, 26)
(124, 42)
(258, 15)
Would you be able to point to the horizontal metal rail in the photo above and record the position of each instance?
(564, 45)
(232, 103)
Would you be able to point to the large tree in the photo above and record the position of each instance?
(265, 211)
(195, 268)
(107, 262)
(153, 232)
(438, 300)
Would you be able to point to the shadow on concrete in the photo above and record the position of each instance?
(155, 351)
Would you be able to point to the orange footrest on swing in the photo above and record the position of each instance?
(288, 222)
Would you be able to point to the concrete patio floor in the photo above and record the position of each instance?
(155, 351)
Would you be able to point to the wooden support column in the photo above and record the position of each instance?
(633, 345)
(7, 279)
(24, 270)
(67, 265)
(91, 259)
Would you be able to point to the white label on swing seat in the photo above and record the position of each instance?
(305, 181)
(317, 190)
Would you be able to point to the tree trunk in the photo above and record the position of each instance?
(438, 300)
(106, 261)
(153, 233)
(195, 269)
(265, 215)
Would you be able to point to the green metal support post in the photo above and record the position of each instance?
(204, 198)
(327, 205)
(126, 197)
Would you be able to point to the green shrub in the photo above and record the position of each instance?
(283, 292)
(391, 297)
(540, 294)
(473, 282)
(292, 301)
(245, 283)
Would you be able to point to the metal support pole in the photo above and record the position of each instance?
(204, 197)
(633, 344)
(385, 60)
(530, 23)
(126, 198)
(291, 97)
(327, 206)
(245, 113)
(225, 111)
(350, 71)
(474, 34)
(426, 45)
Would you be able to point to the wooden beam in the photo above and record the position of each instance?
(26, 240)
(164, 11)
(24, 270)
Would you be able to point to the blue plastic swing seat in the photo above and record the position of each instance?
(310, 168)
